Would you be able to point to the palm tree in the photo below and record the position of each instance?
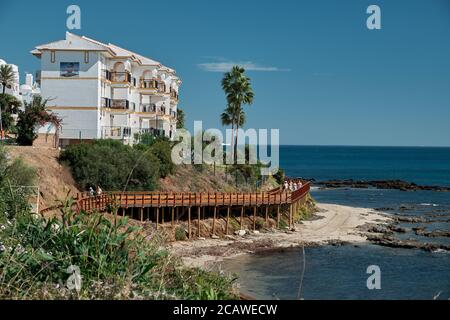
(230, 117)
(239, 92)
(6, 76)
(180, 118)
(6, 79)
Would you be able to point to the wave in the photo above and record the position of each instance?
(429, 204)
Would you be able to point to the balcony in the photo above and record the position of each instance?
(153, 84)
(115, 132)
(152, 108)
(123, 77)
(173, 94)
(117, 104)
(149, 84)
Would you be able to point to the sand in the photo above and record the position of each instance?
(333, 223)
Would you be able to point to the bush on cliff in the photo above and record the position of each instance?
(112, 165)
(15, 181)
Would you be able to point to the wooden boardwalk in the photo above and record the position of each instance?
(156, 205)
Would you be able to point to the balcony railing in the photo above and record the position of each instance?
(151, 107)
(115, 132)
(173, 94)
(153, 84)
(117, 104)
(149, 84)
(120, 77)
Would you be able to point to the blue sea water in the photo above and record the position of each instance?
(340, 272)
(429, 166)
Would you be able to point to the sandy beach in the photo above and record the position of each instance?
(331, 224)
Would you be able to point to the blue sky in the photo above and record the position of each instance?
(318, 73)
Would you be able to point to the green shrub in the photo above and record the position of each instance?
(180, 233)
(163, 151)
(111, 165)
(259, 223)
(15, 179)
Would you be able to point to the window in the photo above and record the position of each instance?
(86, 57)
(52, 56)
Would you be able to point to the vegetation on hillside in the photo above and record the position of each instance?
(9, 105)
(114, 166)
(79, 256)
(15, 178)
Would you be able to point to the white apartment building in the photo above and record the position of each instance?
(103, 91)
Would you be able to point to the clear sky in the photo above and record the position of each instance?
(318, 73)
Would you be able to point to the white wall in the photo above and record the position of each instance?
(75, 92)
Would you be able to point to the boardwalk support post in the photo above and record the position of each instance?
(198, 216)
(189, 223)
(254, 218)
(214, 222)
(228, 220)
(278, 216)
(157, 217)
(290, 216)
(267, 215)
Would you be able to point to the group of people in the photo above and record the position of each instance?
(97, 192)
(292, 185)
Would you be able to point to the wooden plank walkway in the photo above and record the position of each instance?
(155, 199)
(155, 204)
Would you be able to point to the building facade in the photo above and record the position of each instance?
(102, 91)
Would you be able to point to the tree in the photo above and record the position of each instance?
(180, 118)
(9, 105)
(35, 114)
(6, 76)
(238, 91)
(229, 117)
(6, 79)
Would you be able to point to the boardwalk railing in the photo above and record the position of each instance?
(144, 199)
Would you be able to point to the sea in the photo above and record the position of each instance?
(341, 272)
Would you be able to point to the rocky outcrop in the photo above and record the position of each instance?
(390, 241)
(431, 234)
(379, 184)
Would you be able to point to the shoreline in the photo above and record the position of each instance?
(332, 224)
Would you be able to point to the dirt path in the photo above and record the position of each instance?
(332, 223)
